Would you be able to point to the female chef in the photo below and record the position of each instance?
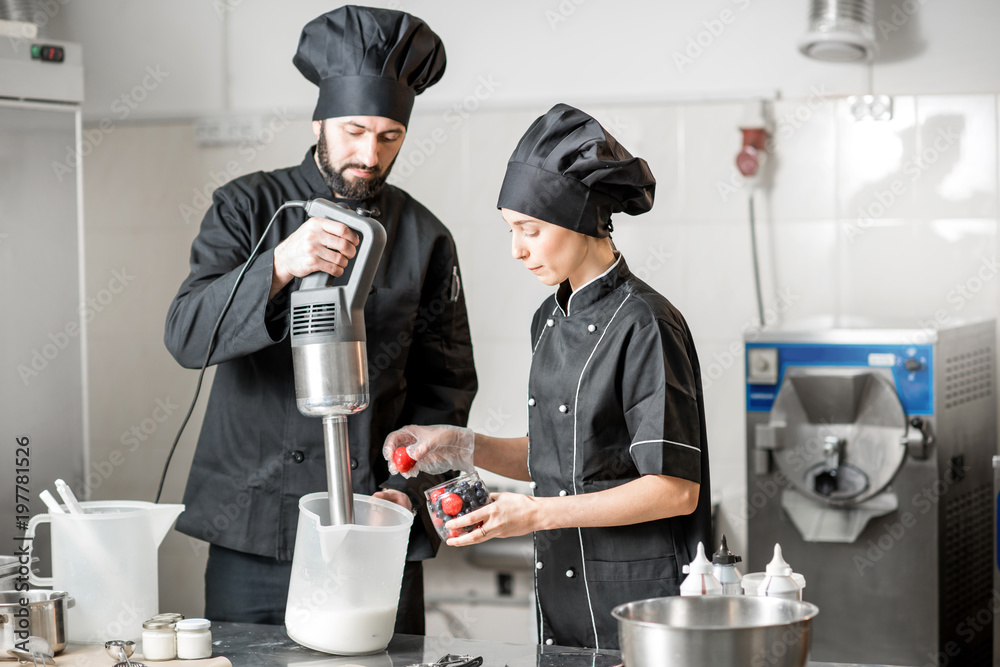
(616, 450)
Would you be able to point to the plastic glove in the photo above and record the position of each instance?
(436, 449)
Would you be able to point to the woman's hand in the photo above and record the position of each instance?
(432, 449)
(509, 515)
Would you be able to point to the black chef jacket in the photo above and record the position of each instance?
(614, 393)
(257, 454)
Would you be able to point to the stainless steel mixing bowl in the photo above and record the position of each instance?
(715, 630)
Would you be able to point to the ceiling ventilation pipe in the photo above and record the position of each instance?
(840, 31)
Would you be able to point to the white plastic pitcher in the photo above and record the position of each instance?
(344, 588)
(107, 560)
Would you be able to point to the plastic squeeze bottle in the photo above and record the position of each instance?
(778, 582)
(724, 568)
(699, 579)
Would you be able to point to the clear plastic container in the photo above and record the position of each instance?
(751, 582)
(344, 587)
(456, 497)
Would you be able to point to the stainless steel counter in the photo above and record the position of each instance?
(257, 645)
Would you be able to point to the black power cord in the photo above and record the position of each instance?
(215, 333)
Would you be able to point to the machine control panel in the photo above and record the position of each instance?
(762, 365)
(911, 367)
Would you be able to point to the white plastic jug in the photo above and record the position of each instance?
(107, 560)
(344, 587)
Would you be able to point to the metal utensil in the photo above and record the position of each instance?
(33, 658)
(9, 572)
(40, 652)
(122, 650)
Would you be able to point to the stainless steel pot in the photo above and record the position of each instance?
(46, 614)
(715, 630)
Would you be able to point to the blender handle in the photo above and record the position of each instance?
(29, 536)
(373, 243)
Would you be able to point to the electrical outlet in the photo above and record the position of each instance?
(505, 584)
(870, 107)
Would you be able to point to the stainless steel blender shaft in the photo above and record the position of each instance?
(338, 470)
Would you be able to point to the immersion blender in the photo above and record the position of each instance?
(329, 352)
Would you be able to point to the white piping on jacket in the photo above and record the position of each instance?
(534, 545)
(669, 442)
(569, 301)
(576, 405)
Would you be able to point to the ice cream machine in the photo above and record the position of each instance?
(869, 459)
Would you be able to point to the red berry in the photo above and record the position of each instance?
(454, 533)
(451, 504)
(436, 493)
(402, 460)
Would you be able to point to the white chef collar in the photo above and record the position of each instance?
(569, 301)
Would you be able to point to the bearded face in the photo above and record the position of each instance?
(356, 154)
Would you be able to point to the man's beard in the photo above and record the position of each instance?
(362, 189)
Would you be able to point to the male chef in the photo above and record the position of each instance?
(256, 454)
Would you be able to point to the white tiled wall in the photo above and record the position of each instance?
(924, 252)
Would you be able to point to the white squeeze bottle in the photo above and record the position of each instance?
(778, 582)
(699, 579)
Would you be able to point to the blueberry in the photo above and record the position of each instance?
(479, 486)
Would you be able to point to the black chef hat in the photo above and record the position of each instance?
(369, 62)
(570, 171)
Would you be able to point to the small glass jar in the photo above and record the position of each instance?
(194, 639)
(455, 498)
(159, 642)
